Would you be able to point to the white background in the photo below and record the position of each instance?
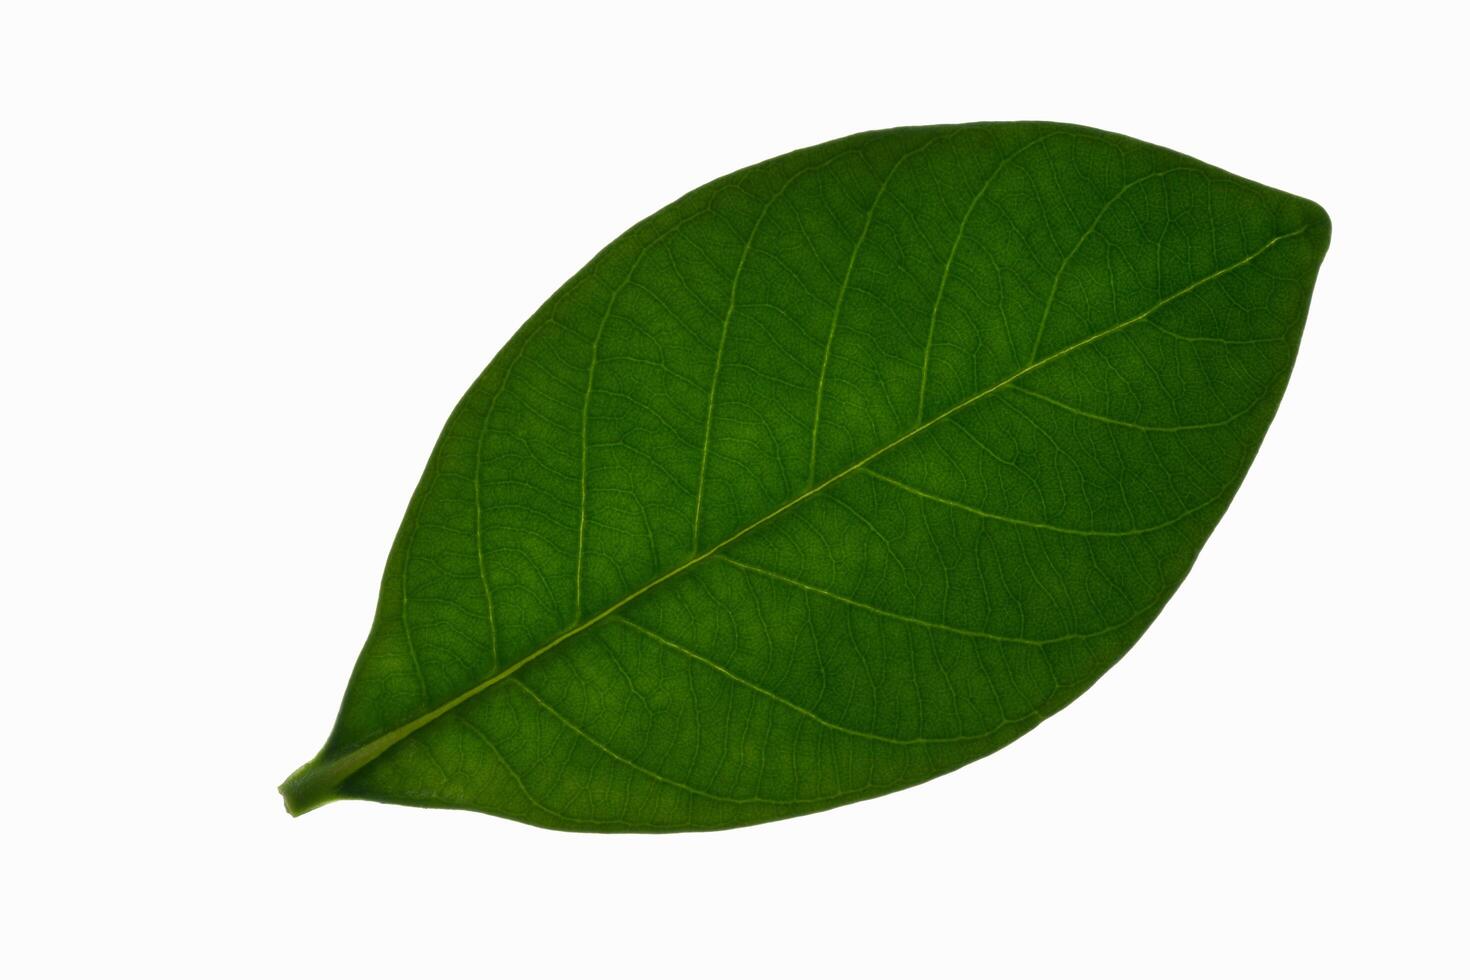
(250, 256)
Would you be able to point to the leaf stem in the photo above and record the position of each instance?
(309, 787)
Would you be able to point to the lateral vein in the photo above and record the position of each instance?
(792, 705)
(857, 247)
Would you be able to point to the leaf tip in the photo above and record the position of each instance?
(1319, 225)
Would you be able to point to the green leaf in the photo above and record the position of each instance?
(830, 477)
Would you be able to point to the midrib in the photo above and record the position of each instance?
(312, 784)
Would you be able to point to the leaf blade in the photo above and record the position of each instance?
(665, 309)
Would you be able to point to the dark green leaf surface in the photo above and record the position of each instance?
(836, 474)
